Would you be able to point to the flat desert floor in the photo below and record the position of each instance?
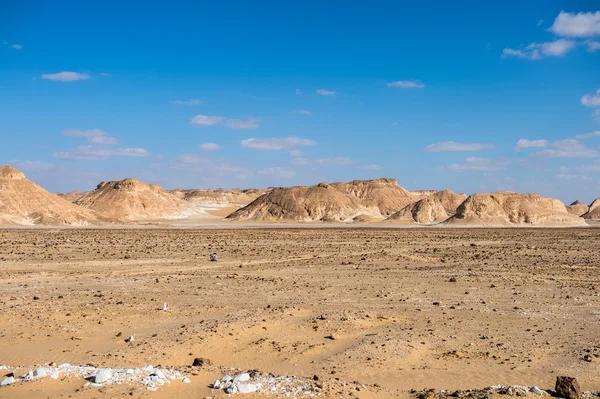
(370, 312)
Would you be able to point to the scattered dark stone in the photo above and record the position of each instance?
(567, 387)
(36, 298)
(452, 280)
(201, 362)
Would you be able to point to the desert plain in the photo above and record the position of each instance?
(364, 312)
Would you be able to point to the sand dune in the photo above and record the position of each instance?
(24, 202)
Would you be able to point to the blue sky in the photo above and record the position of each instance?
(257, 94)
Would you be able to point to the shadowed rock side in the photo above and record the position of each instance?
(426, 211)
(24, 202)
(508, 208)
(594, 211)
(384, 194)
(577, 208)
(304, 204)
(133, 200)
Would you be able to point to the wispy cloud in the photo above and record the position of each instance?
(583, 24)
(567, 176)
(277, 172)
(594, 168)
(588, 135)
(337, 161)
(474, 164)
(324, 92)
(298, 92)
(17, 46)
(569, 148)
(65, 76)
(210, 147)
(304, 112)
(205, 120)
(93, 153)
(276, 143)
(525, 143)
(537, 51)
(95, 136)
(187, 102)
(296, 153)
(371, 166)
(592, 45)
(250, 123)
(407, 84)
(591, 100)
(30, 165)
(454, 146)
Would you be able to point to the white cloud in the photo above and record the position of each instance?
(525, 143)
(540, 22)
(583, 24)
(566, 176)
(187, 102)
(304, 112)
(298, 91)
(569, 148)
(205, 120)
(92, 153)
(276, 143)
(30, 165)
(277, 172)
(591, 100)
(454, 146)
(210, 147)
(324, 92)
(296, 153)
(407, 84)
(595, 167)
(191, 159)
(537, 51)
(371, 166)
(474, 164)
(250, 123)
(337, 161)
(103, 140)
(588, 135)
(95, 136)
(17, 46)
(65, 76)
(592, 45)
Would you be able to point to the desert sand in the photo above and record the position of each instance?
(370, 312)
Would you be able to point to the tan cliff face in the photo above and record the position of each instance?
(508, 208)
(24, 202)
(219, 197)
(593, 212)
(131, 200)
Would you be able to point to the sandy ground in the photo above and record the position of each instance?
(407, 308)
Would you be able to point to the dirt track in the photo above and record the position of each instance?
(414, 308)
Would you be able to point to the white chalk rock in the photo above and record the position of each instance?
(186, 380)
(102, 375)
(241, 378)
(536, 391)
(159, 374)
(40, 372)
(7, 381)
(54, 374)
(247, 388)
(27, 376)
(217, 384)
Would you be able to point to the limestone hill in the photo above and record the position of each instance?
(132, 200)
(322, 202)
(577, 208)
(433, 208)
(24, 202)
(508, 208)
(383, 194)
(594, 211)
